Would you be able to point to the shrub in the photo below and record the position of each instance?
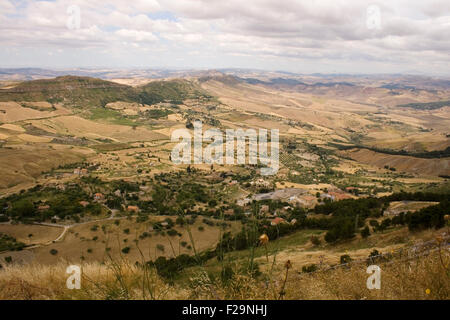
(172, 232)
(310, 268)
(53, 252)
(365, 232)
(126, 250)
(315, 240)
(179, 221)
(345, 259)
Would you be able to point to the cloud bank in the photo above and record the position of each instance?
(292, 35)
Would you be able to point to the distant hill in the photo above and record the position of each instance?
(426, 105)
(92, 92)
(174, 91)
(70, 90)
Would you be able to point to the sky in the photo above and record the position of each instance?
(301, 36)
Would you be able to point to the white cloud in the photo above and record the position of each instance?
(271, 32)
(134, 35)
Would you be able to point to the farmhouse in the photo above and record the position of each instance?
(277, 221)
(134, 209)
(228, 212)
(99, 196)
(84, 203)
(43, 208)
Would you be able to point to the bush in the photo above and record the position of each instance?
(374, 223)
(309, 269)
(179, 221)
(172, 232)
(345, 259)
(365, 232)
(126, 250)
(315, 240)
(53, 252)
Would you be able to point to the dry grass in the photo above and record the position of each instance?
(423, 166)
(97, 282)
(399, 280)
(416, 273)
(40, 234)
(425, 277)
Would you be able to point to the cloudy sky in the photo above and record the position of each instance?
(303, 36)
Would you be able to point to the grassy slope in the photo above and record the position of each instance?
(423, 277)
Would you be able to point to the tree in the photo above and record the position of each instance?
(345, 259)
(23, 208)
(365, 232)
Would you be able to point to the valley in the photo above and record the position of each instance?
(86, 177)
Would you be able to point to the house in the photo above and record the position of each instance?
(352, 190)
(328, 196)
(77, 171)
(294, 200)
(308, 201)
(337, 196)
(84, 203)
(264, 209)
(43, 208)
(99, 196)
(243, 202)
(84, 172)
(277, 221)
(164, 224)
(228, 212)
(118, 193)
(134, 209)
(294, 221)
(261, 183)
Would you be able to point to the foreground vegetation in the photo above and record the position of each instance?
(421, 276)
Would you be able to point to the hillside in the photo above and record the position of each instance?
(85, 92)
(87, 177)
